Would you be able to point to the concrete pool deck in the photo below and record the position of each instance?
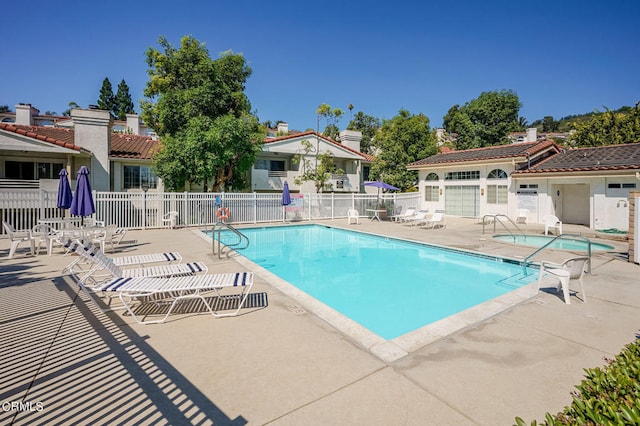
(277, 363)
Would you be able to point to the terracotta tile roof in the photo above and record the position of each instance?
(610, 157)
(122, 146)
(487, 153)
(367, 157)
(52, 135)
(133, 146)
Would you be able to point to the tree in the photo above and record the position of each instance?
(608, 128)
(5, 108)
(320, 171)
(198, 107)
(368, 126)
(549, 124)
(122, 104)
(403, 139)
(106, 101)
(332, 117)
(72, 105)
(484, 121)
(48, 112)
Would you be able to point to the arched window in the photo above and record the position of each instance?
(497, 194)
(497, 174)
(431, 192)
(432, 176)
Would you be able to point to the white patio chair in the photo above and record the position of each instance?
(437, 219)
(19, 236)
(170, 219)
(352, 214)
(105, 237)
(43, 233)
(569, 270)
(522, 216)
(551, 222)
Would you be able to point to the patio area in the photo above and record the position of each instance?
(64, 361)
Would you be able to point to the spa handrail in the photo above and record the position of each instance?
(574, 236)
(218, 227)
(496, 218)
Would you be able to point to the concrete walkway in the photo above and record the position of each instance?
(63, 361)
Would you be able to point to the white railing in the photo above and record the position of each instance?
(137, 210)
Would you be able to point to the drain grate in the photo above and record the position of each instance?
(541, 301)
(297, 310)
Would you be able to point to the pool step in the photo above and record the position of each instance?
(517, 280)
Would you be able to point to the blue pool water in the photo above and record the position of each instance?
(389, 286)
(562, 244)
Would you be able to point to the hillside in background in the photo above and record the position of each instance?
(549, 124)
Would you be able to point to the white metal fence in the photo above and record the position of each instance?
(138, 210)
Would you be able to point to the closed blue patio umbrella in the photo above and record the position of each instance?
(286, 198)
(64, 191)
(82, 203)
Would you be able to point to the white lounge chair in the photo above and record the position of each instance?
(352, 214)
(437, 219)
(45, 234)
(180, 288)
(411, 211)
(138, 260)
(101, 262)
(551, 222)
(418, 218)
(569, 270)
(19, 236)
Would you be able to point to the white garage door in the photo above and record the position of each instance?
(462, 200)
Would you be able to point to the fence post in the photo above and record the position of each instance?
(42, 205)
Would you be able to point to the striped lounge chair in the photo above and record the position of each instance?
(172, 290)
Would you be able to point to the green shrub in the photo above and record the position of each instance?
(607, 396)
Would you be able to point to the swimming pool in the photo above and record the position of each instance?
(562, 244)
(389, 286)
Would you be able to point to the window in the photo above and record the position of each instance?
(365, 173)
(529, 186)
(431, 193)
(136, 176)
(432, 176)
(467, 175)
(28, 170)
(496, 194)
(621, 185)
(497, 174)
(262, 164)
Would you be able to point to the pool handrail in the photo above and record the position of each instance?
(496, 218)
(526, 261)
(236, 246)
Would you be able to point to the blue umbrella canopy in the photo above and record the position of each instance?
(64, 190)
(379, 184)
(286, 196)
(82, 202)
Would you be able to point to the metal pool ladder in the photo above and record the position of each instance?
(241, 244)
(526, 262)
(497, 218)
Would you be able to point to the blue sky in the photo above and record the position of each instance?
(560, 57)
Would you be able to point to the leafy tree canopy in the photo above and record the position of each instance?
(484, 121)
(198, 107)
(368, 126)
(5, 108)
(403, 139)
(608, 128)
(332, 117)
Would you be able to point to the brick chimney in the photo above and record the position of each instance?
(25, 114)
(92, 131)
